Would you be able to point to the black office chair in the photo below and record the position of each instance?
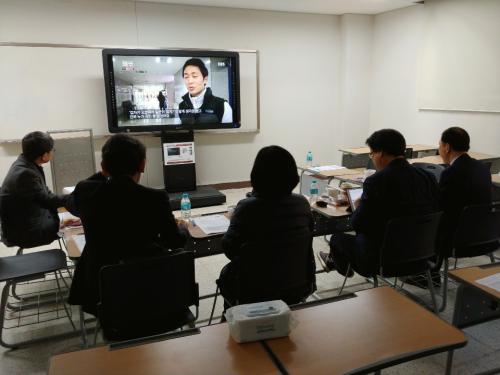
(20, 250)
(434, 169)
(279, 268)
(27, 267)
(408, 247)
(477, 234)
(147, 297)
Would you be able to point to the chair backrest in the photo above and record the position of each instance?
(74, 159)
(478, 225)
(279, 268)
(146, 296)
(488, 164)
(434, 169)
(409, 242)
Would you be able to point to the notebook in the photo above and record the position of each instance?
(353, 195)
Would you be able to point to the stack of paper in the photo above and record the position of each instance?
(492, 281)
(79, 241)
(326, 168)
(212, 224)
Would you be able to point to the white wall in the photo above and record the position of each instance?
(355, 78)
(293, 47)
(398, 38)
(325, 81)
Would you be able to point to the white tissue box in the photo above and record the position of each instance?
(259, 321)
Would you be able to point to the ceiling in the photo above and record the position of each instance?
(302, 6)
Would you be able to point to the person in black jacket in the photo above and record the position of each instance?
(199, 105)
(273, 211)
(396, 189)
(28, 209)
(122, 219)
(465, 182)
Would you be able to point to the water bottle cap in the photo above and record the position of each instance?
(184, 195)
(314, 181)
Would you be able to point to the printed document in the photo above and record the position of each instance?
(212, 224)
(492, 281)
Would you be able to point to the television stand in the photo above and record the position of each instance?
(179, 173)
(203, 196)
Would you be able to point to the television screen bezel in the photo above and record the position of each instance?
(109, 85)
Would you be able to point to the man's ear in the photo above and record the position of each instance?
(142, 166)
(104, 170)
(45, 157)
(446, 147)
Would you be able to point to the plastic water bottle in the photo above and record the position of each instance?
(185, 206)
(313, 191)
(309, 159)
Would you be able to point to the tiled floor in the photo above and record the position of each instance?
(481, 353)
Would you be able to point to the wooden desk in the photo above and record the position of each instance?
(366, 150)
(377, 329)
(212, 351)
(331, 174)
(469, 276)
(474, 303)
(331, 211)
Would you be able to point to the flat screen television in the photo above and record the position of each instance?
(154, 90)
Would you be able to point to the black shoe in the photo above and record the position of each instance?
(326, 262)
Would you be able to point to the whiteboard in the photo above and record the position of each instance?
(61, 87)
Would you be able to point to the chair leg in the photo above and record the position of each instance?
(97, 328)
(449, 362)
(14, 292)
(213, 305)
(492, 258)
(63, 302)
(430, 285)
(375, 281)
(3, 306)
(82, 327)
(345, 279)
(444, 289)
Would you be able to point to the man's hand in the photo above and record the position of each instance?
(357, 202)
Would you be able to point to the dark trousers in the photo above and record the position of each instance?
(352, 249)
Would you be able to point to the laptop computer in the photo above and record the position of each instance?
(353, 195)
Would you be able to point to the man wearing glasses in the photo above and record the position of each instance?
(396, 189)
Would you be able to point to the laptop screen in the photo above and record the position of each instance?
(353, 195)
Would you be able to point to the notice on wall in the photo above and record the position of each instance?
(178, 153)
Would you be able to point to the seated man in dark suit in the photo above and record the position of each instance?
(122, 219)
(465, 182)
(28, 209)
(272, 212)
(397, 189)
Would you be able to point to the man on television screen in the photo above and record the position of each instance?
(199, 105)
